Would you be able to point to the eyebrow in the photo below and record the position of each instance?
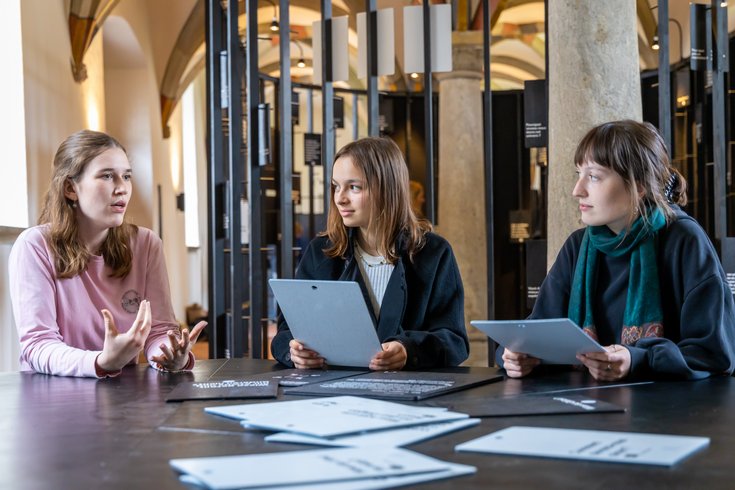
(110, 169)
(348, 181)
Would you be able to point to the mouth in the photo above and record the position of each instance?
(346, 212)
(584, 207)
(119, 206)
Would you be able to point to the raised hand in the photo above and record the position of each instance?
(120, 348)
(175, 356)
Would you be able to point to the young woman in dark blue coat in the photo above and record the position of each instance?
(408, 274)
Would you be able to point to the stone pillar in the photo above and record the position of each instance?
(461, 193)
(594, 77)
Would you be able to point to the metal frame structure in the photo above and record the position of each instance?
(235, 166)
(664, 74)
(719, 128)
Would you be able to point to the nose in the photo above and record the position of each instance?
(340, 196)
(579, 190)
(121, 186)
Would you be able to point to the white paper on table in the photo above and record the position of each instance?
(593, 445)
(382, 438)
(305, 467)
(334, 416)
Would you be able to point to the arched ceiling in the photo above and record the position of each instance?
(517, 28)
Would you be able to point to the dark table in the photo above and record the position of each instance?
(120, 433)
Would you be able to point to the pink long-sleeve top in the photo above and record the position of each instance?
(60, 327)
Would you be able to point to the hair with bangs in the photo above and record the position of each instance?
(70, 255)
(391, 217)
(637, 153)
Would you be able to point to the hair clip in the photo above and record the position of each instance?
(671, 185)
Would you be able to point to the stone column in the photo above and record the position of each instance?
(594, 77)
(461, 193)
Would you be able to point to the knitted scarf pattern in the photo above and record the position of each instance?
(643, 316)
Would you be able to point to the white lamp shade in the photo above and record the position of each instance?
(386, 44)
(441, 38)
(340, 52)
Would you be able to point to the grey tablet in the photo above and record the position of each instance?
(553, 340)
(329, 317)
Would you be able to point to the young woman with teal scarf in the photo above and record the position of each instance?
(642, 277)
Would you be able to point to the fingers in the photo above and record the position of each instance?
(612, 365)
(517, 364)
(304, 358)
(198, 329)
(110, 327)
(392, 357)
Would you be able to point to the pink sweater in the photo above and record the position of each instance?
(59, 323)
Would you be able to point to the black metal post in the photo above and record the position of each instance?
(371, 29)
(487, 128)
(236, 327)
(719, 130)
(430, 192)
(285, 152)
(664, 74)
(328, 136)
(257, 290)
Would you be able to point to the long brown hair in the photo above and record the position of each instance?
(70, 255)
(637, 153)
(391, 217)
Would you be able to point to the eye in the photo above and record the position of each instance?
(594, 178)
(106, 175)
(128, 177)
(355, 187)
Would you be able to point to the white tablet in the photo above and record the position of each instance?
(329, 317)
(553, 340)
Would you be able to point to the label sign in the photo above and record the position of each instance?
(534, 112)
(312, 149)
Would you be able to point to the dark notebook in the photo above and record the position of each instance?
(531, 405)
(392, 385)
(225, 389)
(300, 377)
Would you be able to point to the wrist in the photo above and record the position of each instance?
(103, 372)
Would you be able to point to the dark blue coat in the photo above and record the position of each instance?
(423, 305)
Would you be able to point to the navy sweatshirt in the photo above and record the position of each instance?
(698, 309)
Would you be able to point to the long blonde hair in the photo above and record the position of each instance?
(70, 255)
(391, 217)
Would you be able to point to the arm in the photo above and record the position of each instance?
(284, 348)
(440, 340)
(34, 299)
(707, 338)
(699, 315)
(167, 348)
(552, 302)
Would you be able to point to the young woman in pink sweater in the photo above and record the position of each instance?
(90, 291)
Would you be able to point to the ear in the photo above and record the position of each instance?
(70, 191)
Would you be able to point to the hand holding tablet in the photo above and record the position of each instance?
(553, 340)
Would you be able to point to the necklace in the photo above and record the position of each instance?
(372, 261)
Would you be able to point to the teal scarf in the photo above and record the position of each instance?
(643, 316)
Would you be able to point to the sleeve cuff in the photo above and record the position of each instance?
(102, 373)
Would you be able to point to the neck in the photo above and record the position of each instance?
(92, 239)
(367, 243)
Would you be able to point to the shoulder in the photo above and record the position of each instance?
(435, 245)
(34, 237)
(143, 237)
(684, 231)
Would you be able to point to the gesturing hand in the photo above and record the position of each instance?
(120, 348)
(175, 356)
